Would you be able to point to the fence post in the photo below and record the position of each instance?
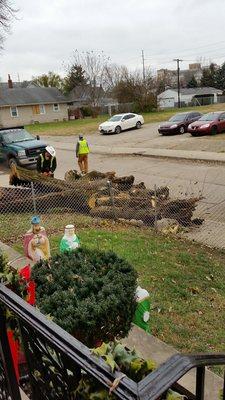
(200, 383)
(223, 398)
(111, 194)
(155, 209)
(33, 198)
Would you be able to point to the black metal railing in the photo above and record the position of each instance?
(56, 362)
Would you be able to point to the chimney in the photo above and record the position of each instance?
(10, 83)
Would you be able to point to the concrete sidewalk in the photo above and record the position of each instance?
(149, 346)
(203, 156)
(13, 257)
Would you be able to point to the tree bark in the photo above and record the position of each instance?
(108, 212)
(93, 193)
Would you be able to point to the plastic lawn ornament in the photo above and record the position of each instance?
(142, 313)
(70, 240)
(36, 244)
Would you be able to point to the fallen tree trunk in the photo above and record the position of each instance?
(123, 182)
(180, 209)
(44, 202)
(74, 175)
(102, 194)
(147, 215)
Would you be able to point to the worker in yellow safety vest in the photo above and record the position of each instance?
(82, 151)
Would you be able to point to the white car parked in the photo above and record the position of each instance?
(121, 122)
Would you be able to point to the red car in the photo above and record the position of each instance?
(178, 123)
(209, 124)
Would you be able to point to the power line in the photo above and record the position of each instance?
(143, 64)
(178, 79)
(189, 50)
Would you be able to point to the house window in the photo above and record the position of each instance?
(14, 112)
(56, 107)
(38, 109)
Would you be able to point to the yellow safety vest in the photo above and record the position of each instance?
(43, 159)
(83, 147)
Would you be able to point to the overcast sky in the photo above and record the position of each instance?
(46, 33)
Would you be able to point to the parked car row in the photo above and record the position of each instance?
(195, 123)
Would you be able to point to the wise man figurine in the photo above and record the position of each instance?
(70, 240)
(36, 244)
(142, 313)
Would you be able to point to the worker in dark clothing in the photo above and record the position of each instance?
(46, 162)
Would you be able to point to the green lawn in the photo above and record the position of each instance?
(67, 128)
(186, 281)
(90, 125)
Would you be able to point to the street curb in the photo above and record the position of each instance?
(161, 156)
(156, 154)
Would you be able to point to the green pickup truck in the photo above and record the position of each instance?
(19, 147)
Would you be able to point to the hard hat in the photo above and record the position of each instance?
(50, 150)
(35, 220)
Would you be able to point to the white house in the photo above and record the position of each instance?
(189, 96)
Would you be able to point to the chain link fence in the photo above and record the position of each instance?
(201, 101)
(192, 211)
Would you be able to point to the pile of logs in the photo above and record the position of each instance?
(98, 194)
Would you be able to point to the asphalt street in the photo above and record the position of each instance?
(183, 177)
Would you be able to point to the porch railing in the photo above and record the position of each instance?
(56, 361)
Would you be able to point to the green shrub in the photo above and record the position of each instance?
(88, 293)
(145, 104)
(86, 111)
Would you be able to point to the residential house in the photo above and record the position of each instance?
(88, 95)
(30, 104)
(188, 96)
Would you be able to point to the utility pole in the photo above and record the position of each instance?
(143, 64)
(178, 79)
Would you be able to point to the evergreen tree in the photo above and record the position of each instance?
(220, 77)
(75, 77)
(209, 76)
(192, 83)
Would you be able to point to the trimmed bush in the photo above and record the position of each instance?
(89, 293)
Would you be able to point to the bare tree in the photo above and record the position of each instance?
(132, 88)
(113, 73)
(94, 66)
(7, 13)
